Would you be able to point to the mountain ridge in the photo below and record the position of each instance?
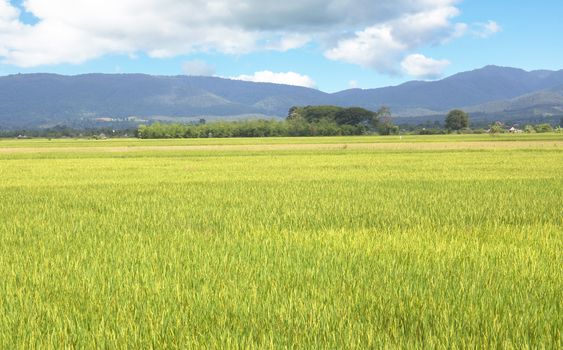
(45, 99)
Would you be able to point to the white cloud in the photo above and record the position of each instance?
(198, 68)
(420, 66)
(485, 30)
(8, 12)
(460, 29)
(289, 42)
(382, 46)
(288, 78)
(374, 47)
(353, 84)
(372, 33)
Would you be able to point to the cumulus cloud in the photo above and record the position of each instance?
(383, 45)
(460, 29)
(423, 67)
(485, 30)
(198, 68)
(353, 84)
(372, 33)
(374, 47)
(288, 78)
(8, 12)
(289, 42)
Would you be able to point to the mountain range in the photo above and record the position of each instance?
(43, 100)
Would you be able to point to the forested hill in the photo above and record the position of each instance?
(40, 100)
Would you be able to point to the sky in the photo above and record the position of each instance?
(330, 45)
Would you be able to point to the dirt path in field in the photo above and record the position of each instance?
(289, 147)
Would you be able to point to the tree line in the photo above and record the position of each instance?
(458, 121)
(301, 121)
(62, 131)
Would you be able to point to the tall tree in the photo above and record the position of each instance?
(457, 120)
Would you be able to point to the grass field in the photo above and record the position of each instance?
(408, 139)
(431, 242)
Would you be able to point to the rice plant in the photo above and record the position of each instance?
(281, 248)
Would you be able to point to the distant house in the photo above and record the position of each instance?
(513, 130)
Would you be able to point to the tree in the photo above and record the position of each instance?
(388, 128)
(383, 115)
(313, 114)
(383, 122)
(354, 116)
(457, 120)
(543, 128)
(529, 129)
(496, 128)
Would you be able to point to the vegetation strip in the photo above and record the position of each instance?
(280, 147)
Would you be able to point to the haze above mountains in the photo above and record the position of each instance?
(489, 93)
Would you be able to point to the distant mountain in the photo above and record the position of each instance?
(536, 107)
(45, 99)
(40, 100)
(546, 102)
(472, 88)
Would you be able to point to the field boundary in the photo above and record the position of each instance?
(470, 145)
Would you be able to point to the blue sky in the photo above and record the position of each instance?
(330, 44)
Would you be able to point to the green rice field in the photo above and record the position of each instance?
(316, 243)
